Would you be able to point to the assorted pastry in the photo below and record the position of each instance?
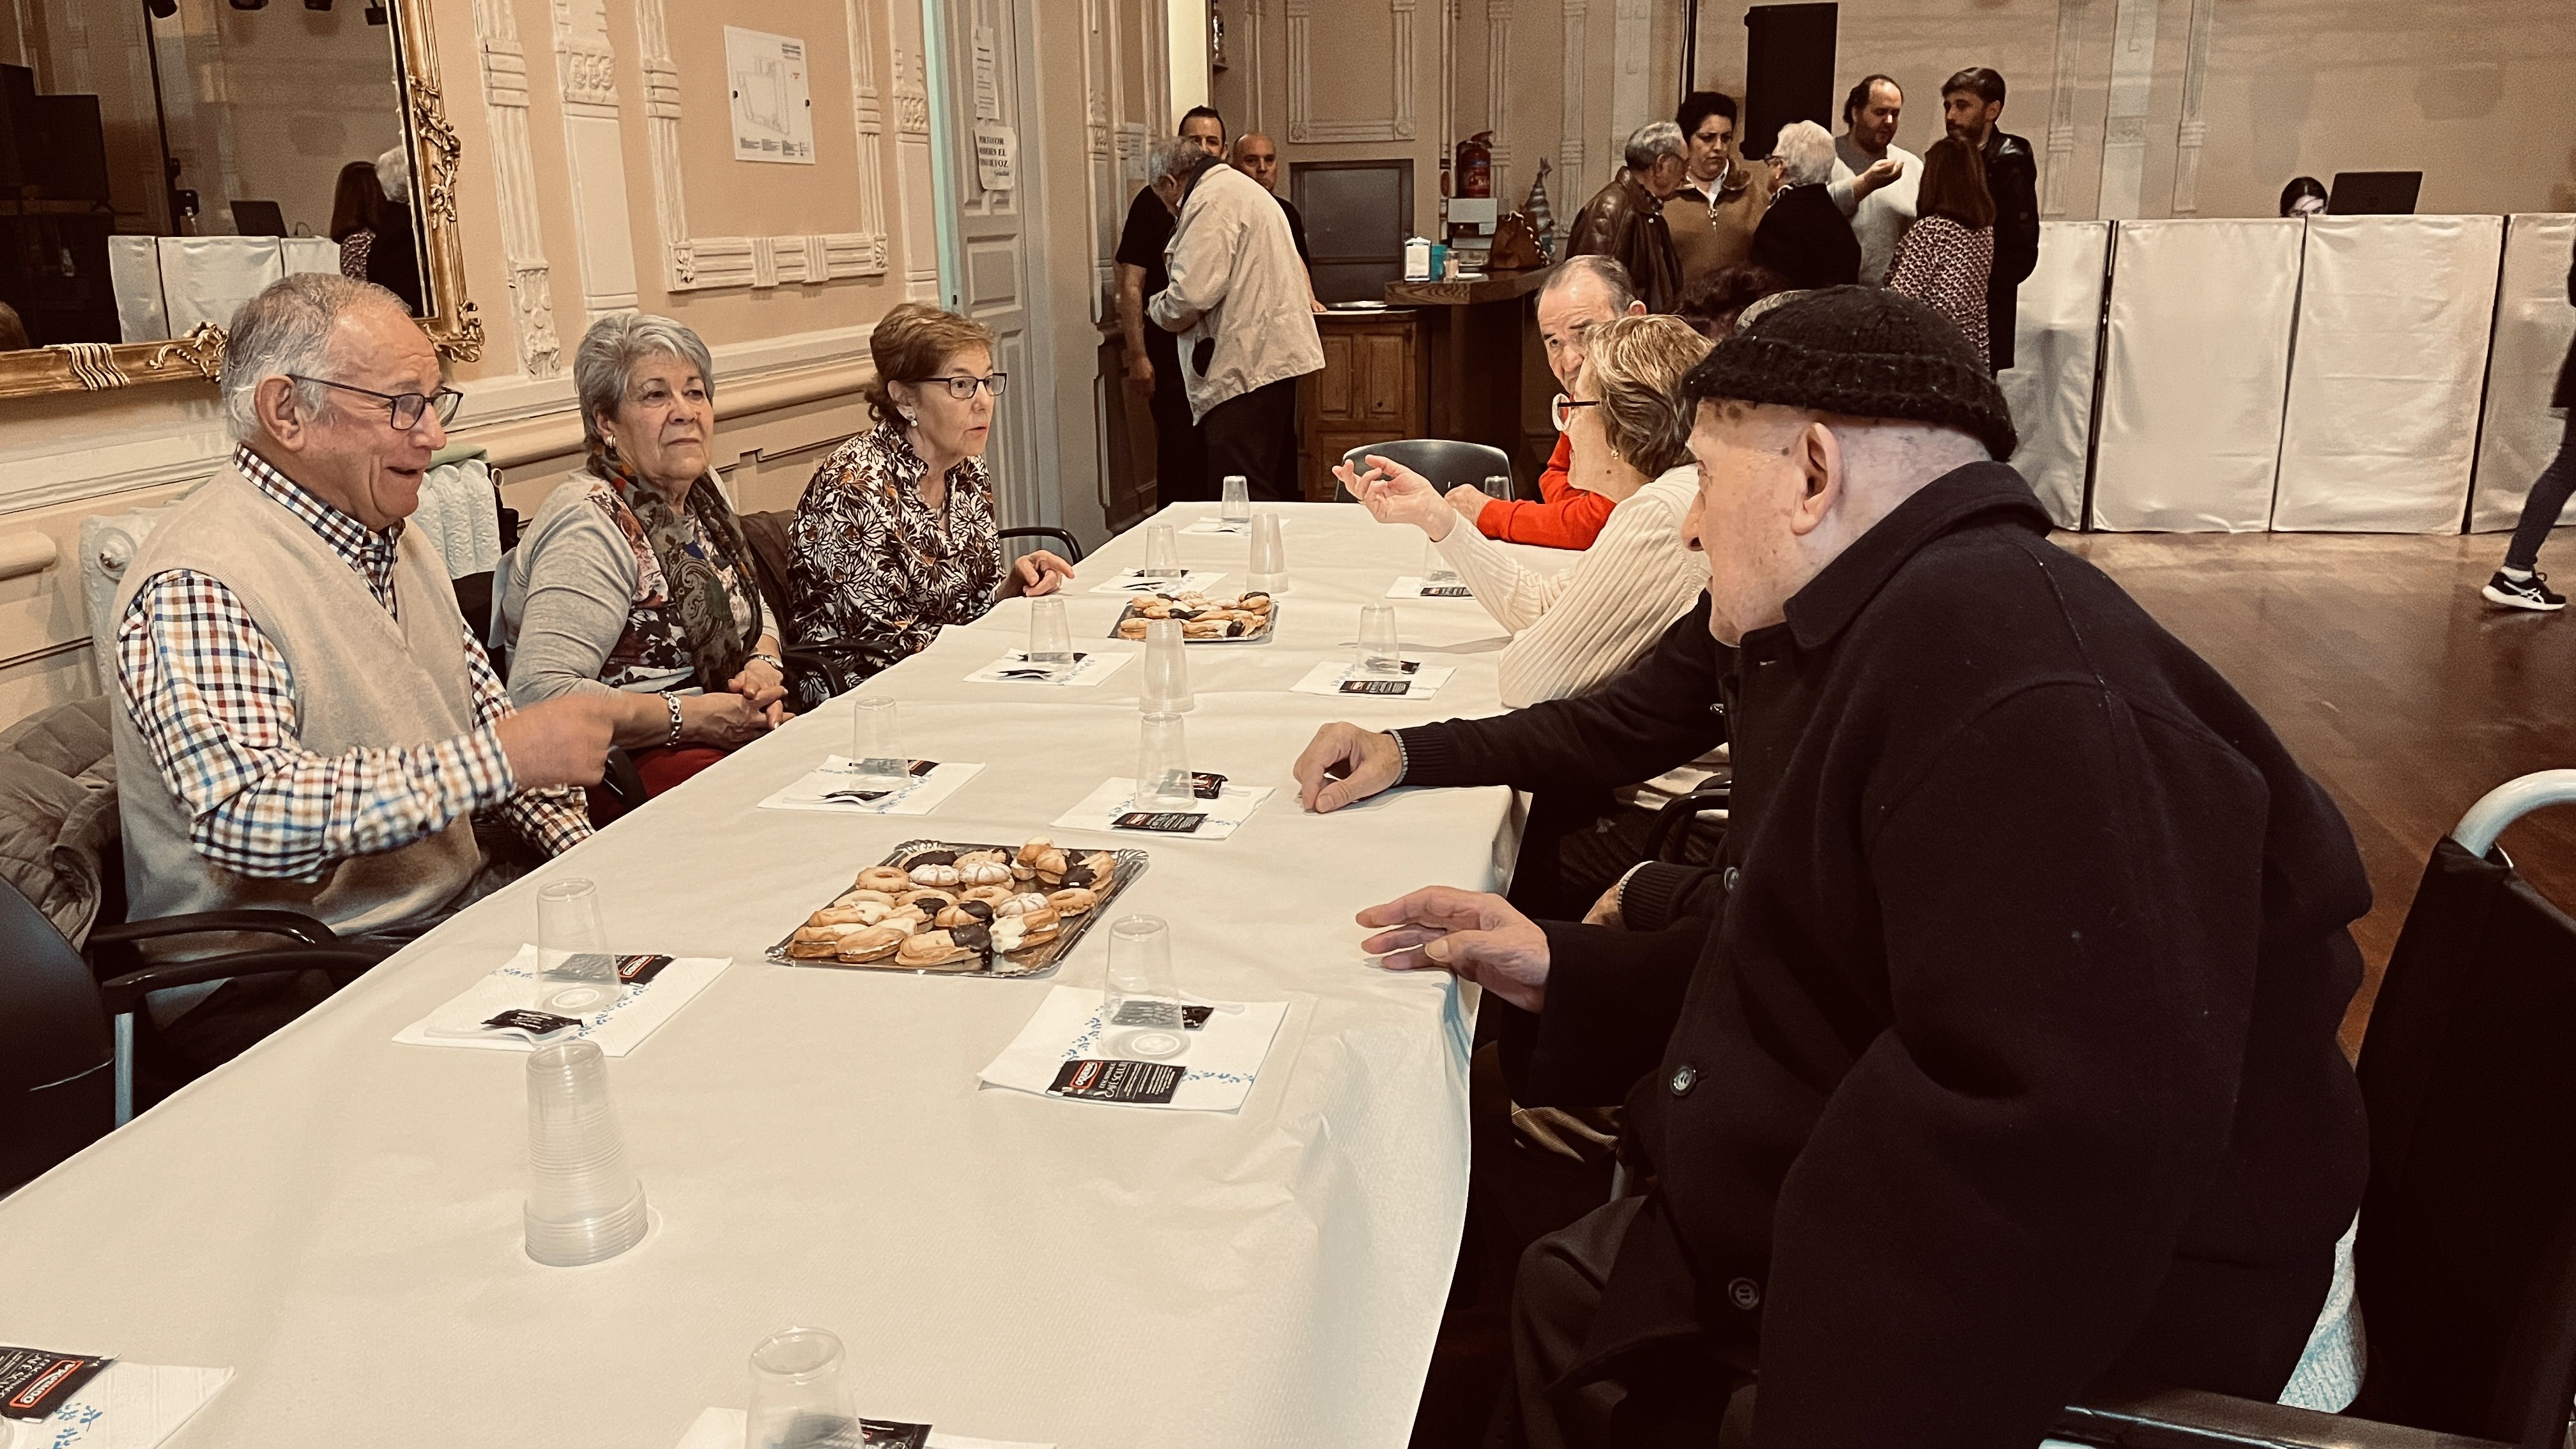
(1201, 617)
(946, 908)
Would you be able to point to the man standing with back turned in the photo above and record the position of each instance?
(1972, 108)
(1153, 359)
(1992, 1066)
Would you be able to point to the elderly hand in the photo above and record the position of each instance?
(1036, 574)
(563, 741)
(1368, 761)
(1473, 935)
(1393, 493)
(759, 682)
(1605, 911)
(726, 721)
(1469, 500)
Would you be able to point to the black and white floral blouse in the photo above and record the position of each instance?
(873, 563)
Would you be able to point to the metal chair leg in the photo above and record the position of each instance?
(124, 1067)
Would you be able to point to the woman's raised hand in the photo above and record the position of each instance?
(1393, 493)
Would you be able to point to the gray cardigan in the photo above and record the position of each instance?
(571, 582)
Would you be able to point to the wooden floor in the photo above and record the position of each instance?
(2404, 693)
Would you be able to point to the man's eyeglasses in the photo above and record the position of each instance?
(963, 388)
(1561, 411)
(404, 408)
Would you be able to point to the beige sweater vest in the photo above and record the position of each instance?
(360, 680)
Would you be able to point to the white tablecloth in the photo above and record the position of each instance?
(337, 1217)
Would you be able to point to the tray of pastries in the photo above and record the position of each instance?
(964, 910)
(1244, 619)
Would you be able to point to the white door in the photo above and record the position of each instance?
(986, 235)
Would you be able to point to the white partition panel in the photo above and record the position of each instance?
(2197, 356)
(2385, 373)
(2533, 323)
(207, 278)
(2056, 343)
(134, 270)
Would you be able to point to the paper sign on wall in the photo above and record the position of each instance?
(996, 149)
(773, 108)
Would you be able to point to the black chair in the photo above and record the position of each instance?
(1446, 463)
(2466, 1257)
(67, 1024)
(1667, 837)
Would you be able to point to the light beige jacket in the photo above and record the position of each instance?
(1238, 295)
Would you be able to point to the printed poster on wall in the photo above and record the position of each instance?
(773, 109)
(995, 149)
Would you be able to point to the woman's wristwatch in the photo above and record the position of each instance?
(673, 701)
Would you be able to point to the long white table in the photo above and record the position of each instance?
(337, 1217)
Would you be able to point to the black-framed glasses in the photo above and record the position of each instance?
(963, 388)
(1561, 411)
(403, 408)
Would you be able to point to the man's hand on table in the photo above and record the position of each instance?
(561, 741)
(1469, 500)
(1472, 935)
(1344, 765)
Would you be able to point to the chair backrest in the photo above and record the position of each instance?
(2467, 1250)
(1445, 462)
(773, 550)
(57, 1058)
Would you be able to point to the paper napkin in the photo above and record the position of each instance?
(1217, 1071)
(1412, 587)
(817, 791)
(724, 1429)
(1116, 800)
(619, 1026)
(1333, 676)
(128, 1406)
(1137, 581)
(1089, 668)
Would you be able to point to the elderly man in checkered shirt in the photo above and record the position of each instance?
(309, 723)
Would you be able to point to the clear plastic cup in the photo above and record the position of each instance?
(876, 746)
(800, 1393)
(571, 944)
(1140, 1007)
(585, 1203)
(1162, 552)
(1163, 764)
(1436, 572)
(1167, 669)
(1237, 507)
(1269, 562)
(1497, 485)
(1050, 634)
(1381, 650)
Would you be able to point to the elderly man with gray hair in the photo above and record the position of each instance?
(1625, 219)
(1238, 297)
(308, 722)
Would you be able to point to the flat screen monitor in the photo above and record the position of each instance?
(2374, 193)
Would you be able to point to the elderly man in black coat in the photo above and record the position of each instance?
(1993, 1065)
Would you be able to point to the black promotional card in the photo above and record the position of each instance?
(637, 970)
(1206, 784)
(1110, 1081)
(1194, 1017)
(887, 1434)
(1160, 822)
(1446, 591)
(537, 1024)
(35, 1381)
(1377, 686)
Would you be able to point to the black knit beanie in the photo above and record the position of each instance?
(1863, 351)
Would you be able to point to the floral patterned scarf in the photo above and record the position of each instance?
(717, 645)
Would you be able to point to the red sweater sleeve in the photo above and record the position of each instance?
(1570, 518)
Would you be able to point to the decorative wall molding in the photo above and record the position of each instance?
(1569, 131)
(1302, 125)
(916, 188)
(2063, 84)
(1632, 91)
(2191, 131)
(702, 263)
(1248, 47)
(1498, 92)
(2124, 125)
(505, 109)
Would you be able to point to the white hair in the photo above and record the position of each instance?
(1806, 153)
(393, 173)
(610, 350)
(1170, 158)
(285, 331)
(1654, 139)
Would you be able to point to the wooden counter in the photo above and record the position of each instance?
(1370, 391)
(1487, 375)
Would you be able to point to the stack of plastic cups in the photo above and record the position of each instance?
(585, 1203)
(1268, 572)
(1167, 670)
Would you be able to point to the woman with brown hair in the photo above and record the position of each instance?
(1947, 252)
(357, 210)
(896, 536)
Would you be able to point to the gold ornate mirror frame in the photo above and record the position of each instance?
(199, 356)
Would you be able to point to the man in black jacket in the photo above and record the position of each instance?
(1994, 1066)
(1972, 104)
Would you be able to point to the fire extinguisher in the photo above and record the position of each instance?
(1476, 165)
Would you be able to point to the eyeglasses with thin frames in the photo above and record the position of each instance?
(403, 409)
(963, 388)
(1561, 411)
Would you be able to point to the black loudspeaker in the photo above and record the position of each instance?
(1788, 71)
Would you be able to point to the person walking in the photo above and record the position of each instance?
(1949, 251)
(2520, 584)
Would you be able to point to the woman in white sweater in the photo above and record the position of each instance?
(1629, 431)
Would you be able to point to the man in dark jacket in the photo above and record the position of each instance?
(1972, 105)
(1994, 1065)
(1624, 221)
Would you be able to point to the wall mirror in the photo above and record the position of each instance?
(163, 160)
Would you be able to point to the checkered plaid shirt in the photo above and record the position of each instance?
(215, 704)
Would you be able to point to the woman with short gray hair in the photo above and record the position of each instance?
(1804, 236)
(635, 580)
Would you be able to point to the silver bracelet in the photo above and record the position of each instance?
(673, 701)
